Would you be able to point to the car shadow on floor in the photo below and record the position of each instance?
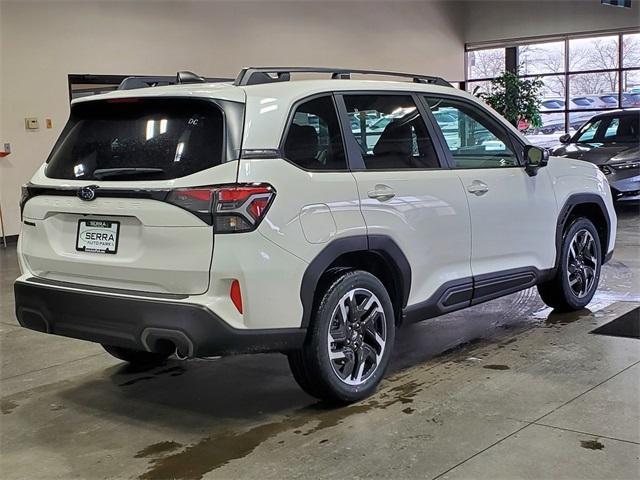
(186, 395)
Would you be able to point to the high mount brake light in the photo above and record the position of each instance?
(123, 100)
(229, 208)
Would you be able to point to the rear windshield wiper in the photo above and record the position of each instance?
(101, 173)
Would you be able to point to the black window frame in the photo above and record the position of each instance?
(290, 117)
(354, 153)
(516, 144)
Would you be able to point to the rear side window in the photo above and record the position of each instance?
(624, 129)
(139, 139)
(390, 132)
(314, 141)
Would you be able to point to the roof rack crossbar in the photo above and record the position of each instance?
(255, 75)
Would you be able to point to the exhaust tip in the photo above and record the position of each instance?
(164, 340)
(180, 355)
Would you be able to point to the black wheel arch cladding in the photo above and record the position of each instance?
(383, 246)
(583, 204)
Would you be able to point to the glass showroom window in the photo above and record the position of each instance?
(541, 58)
(596, 53)
(631, 50)
(485, 64)
(582, 76)
(482, 86)
(546, 61)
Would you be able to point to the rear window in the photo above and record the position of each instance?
(139, 139)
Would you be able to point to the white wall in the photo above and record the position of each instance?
(42, 42)
(507, 19)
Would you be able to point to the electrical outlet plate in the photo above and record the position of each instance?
(31, 123)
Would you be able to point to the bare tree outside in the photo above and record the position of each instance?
(595, 64)
(486, 63)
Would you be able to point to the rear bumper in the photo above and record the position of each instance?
(142, 323)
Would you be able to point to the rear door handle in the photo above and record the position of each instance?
(382, 193)
(478, 188)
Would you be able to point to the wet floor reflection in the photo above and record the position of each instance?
(205, 413)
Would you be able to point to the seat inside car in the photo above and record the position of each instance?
(394, 148)
(301, 146)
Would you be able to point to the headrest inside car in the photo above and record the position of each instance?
(396, 138)
(302, 143)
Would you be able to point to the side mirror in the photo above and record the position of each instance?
(535, 158)
(566, 138)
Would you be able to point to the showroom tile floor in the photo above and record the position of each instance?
(505, 390)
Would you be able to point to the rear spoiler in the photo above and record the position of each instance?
(132, 83)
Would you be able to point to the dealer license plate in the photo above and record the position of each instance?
(97, 236)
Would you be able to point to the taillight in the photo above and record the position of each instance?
(230, 209)
(25, 195)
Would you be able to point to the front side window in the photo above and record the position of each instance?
(138, 139)
(624, 129)
(588, 132)
(391, 132)
(474, 140)
(314, 141)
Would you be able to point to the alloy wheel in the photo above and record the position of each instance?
(582, 263)
(357, 336)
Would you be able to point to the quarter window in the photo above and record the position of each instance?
(391, 132)
(474, 140)
(313, 140)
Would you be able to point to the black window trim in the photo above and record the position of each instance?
(513, 139)
(285, 133)
(356, 162)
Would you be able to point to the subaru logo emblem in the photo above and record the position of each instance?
(87, 193)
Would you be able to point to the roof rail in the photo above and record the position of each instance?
(131, 83)
(256, 75)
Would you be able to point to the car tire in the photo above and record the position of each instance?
(578, 273)
(349, 341)
(136, 357)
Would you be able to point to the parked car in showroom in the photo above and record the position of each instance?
(611, 141)
(207, 219)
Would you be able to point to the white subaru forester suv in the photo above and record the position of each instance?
(308, 217)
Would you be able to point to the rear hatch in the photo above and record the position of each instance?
(107, 209)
